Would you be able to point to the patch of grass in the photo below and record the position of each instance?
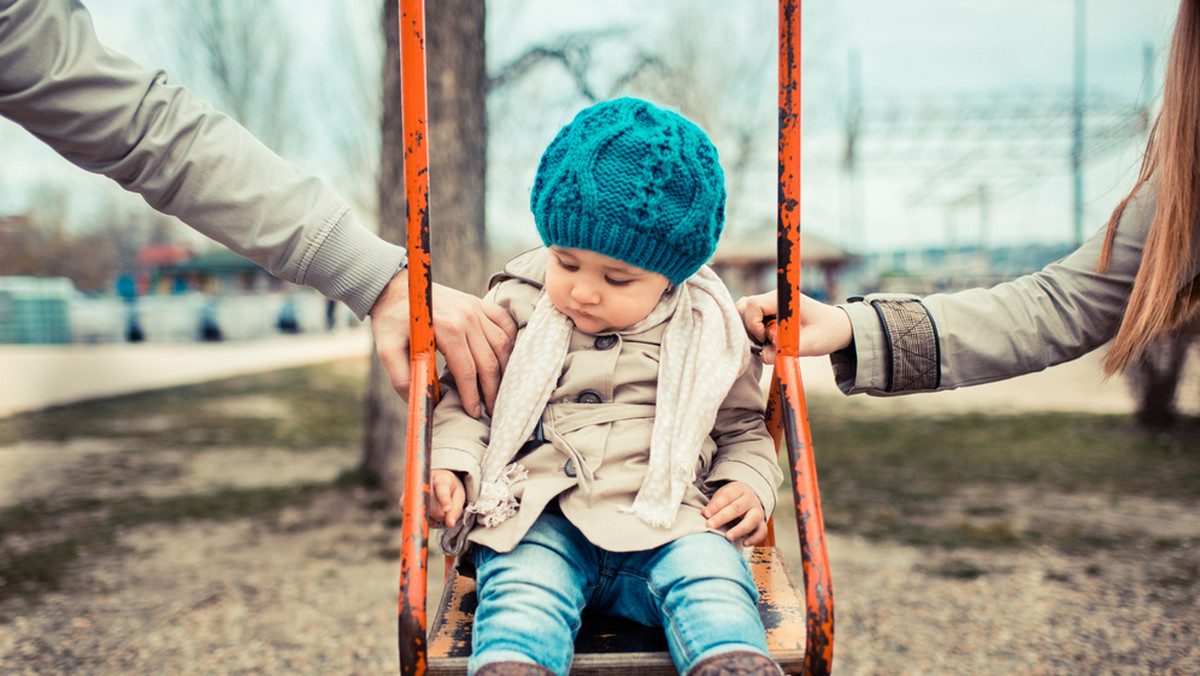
(61, 533)
(23, 518)
(41, 568)
(910, 458)
(222, 505)
(888, 477)
(324, 404)
(309, 408)
(359, 476)
(958, 569)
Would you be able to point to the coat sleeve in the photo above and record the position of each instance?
(906, 344)
(460, 440)
(745, 451)
(106, 114)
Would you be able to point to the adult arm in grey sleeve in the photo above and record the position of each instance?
(106, 114)
(904, 344)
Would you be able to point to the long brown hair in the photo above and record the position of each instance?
(1157, 304)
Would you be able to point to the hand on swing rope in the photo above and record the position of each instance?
(475, 337)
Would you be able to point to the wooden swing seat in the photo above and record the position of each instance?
(612, 646)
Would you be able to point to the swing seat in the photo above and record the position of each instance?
(618, 647)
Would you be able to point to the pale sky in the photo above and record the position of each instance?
(929, 47)
(906, 49)
(914, 50)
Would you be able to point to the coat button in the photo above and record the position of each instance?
(589, 397)
(605, 342)
(569, 468)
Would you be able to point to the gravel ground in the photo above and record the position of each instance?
(314, 591)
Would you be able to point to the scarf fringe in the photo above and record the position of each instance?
(496, 502)
(642, 512)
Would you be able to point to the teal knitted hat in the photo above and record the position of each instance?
(634, 182)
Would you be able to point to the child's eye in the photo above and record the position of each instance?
(618, 282)
(566, 266)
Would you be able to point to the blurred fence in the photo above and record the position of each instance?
(51, 311)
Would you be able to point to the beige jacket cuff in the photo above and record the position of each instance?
(352, 264)
(895, 349)
(862, 367)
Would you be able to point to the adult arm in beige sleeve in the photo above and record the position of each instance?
(110, 116)
(943, 341)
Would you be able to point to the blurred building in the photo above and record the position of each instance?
(177, 268)
(747, 262)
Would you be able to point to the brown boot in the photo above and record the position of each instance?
(735, 663)
(513, 669)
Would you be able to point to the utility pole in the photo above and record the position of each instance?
(852, 235)
(949, 145)
(1077, 110)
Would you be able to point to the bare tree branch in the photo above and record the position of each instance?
(239, 55)
(573, 51)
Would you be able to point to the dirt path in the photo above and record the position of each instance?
(314, 590)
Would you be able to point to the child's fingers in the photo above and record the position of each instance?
(446, 504)
(735, 508)
(455, 511)
(444, 498)
(746, 527)
(758, 536)
(717, 503)
(436, 512)
(768, 354)
(452, 515)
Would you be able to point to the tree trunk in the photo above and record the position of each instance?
(456, 75)
(1154, 379)
(457, 142)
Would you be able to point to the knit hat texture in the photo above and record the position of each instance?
(634, 182)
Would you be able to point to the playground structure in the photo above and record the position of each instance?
(799, 622)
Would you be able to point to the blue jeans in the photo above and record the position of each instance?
(530, 599)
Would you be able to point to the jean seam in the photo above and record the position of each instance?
(605, 574)
(669, 623)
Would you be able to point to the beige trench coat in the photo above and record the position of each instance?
(597, 435)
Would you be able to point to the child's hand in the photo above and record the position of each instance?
(447, 497)
(732, 502)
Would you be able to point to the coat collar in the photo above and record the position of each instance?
(527, 266)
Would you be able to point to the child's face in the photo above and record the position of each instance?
(600, 293)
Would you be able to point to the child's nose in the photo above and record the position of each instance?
(585, 293)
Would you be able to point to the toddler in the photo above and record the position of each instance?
(627, 455)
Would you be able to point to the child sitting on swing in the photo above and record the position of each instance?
(627, 453)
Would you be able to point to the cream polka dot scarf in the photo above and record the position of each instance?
(704, 348)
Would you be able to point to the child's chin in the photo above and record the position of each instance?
(592, 326)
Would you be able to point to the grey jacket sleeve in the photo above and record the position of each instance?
(904, 344)
(106, 114)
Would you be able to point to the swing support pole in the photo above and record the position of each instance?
(787, 396)
(422, 395)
